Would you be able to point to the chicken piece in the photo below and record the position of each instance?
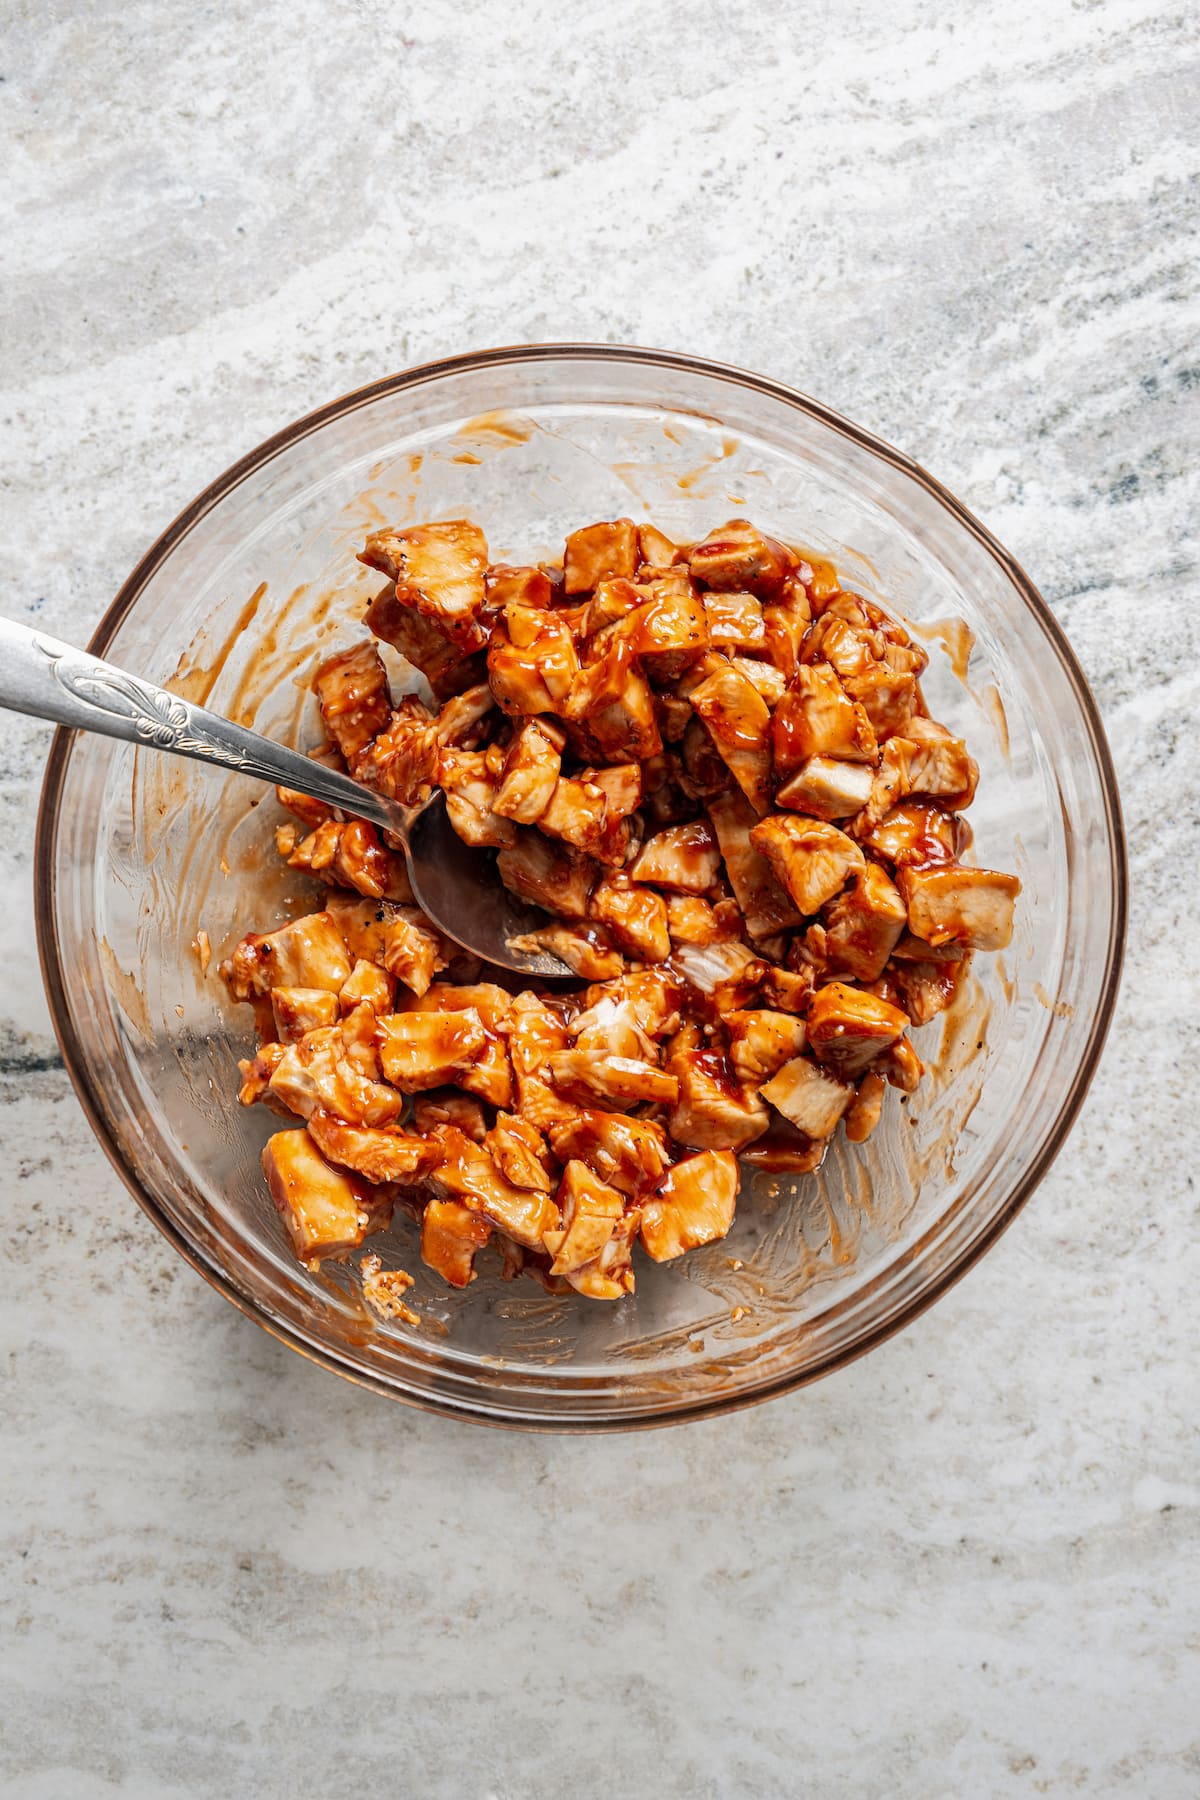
(463, 720)
(652, 996)
(655, 548)
(925, 989)
(786, 623)
(612, 703)
(327, 1211)
(738, 557)
(850, 649)
(466, 1172)
(908, 948)
(727, 970)
(635, 916)
(532, 765)
(669, 629)
(611, 1025)
(848, 1028)
(766, 906)
(425, 1050)
(735, 622)
(628, 1154)
(350, 854)
(760, 1042)
(256, 1073)
(507, 583)
(535, 1034)
(297, 1010)
(787, 989)
(470, 790)
(901, 1067)
(939, 765)
(816, 717)
(954, 905)
(620, 1080)
(307, 953)
(691, 920)
(412, 950)
(332, 1067)
(367, 985)
(438, 569)
(739, 723)
(611, 602)
(685, 858)
(447, 667)
(919, 832)
(764, 677)
(694, 1205)
(447, 1106)
(704, 773)
(585, 949)
(552, 876)
(576, 812)
(490, 1073)
(813, 861)
(602, 552)
(532, 662)
(713, 1111)
(824, 788)
(812, 1098)
(310, 812)
(609, 1276)
(863, 924)
(519, 1151)
(887, 696)
(863, 1113)
(383, 1290)
(402, 762)
(379, 1156)
(356, 703)
(590, 1213)
(451, 1238)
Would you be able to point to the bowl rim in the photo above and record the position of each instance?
(51, 958)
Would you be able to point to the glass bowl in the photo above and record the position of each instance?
(257, 579)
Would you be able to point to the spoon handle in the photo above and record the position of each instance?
(48, 679)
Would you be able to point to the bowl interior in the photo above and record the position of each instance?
(259, 580)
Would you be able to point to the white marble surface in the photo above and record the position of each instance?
(969, 1564)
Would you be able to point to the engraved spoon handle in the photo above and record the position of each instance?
(41, 676)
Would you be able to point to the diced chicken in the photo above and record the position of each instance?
(738, 556)
(328, 1212)
(489, 1074)
(585, 949)
(307, 953)
(438, 569)
(463, 720)
(379, 1156)
(825, 788)
(811, 1097)
(470, 791)
(425, 1050)
(786, 622)
(384, 1290)
(590, 1213)
(447, 1106)
(367, 985)
(816, 717)
(601, 552)
(919, 832)
(704, 772)
(452, 1235)
(611, 602)
(735, 622)
(609, 1276)
(848, 1028)
(531, 769)
(310, 812)
(720, 969)
(787, 989)
(402, 762)
(256, 1073)
(850, 649)
(813, 861)
(330, 1067)
(926, 989)
(532, 663)
(356, 703)
(763, 676)
(887, 696)
(535, 1034)
(610, 1026)
(466, 1172)
(954, 905)
(619, 1080)
(760, 1042)
(552, 876)
(864, 1111)
(629, 1154)
(739, 723)
(350, 854)
(685, 858)
(765, 904)
(655, 548)
(412, 951)
(519, 1151)
(297, 1010)
(669, 629)
(611, 701)
(443, 663)
(691, 920)
(519, 585)
(863, 924)
(713, 1111)
(901, 1067)
(635, 917)
(653, 998)
(576, 812)
(694, 1205)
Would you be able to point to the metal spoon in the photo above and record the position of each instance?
(452, 883)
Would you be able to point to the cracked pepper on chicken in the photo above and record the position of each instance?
(712, 767)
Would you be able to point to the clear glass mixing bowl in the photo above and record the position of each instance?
(136, 852)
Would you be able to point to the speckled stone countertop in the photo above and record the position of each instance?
(968, 1565)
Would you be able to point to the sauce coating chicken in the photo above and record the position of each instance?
(713, 769)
